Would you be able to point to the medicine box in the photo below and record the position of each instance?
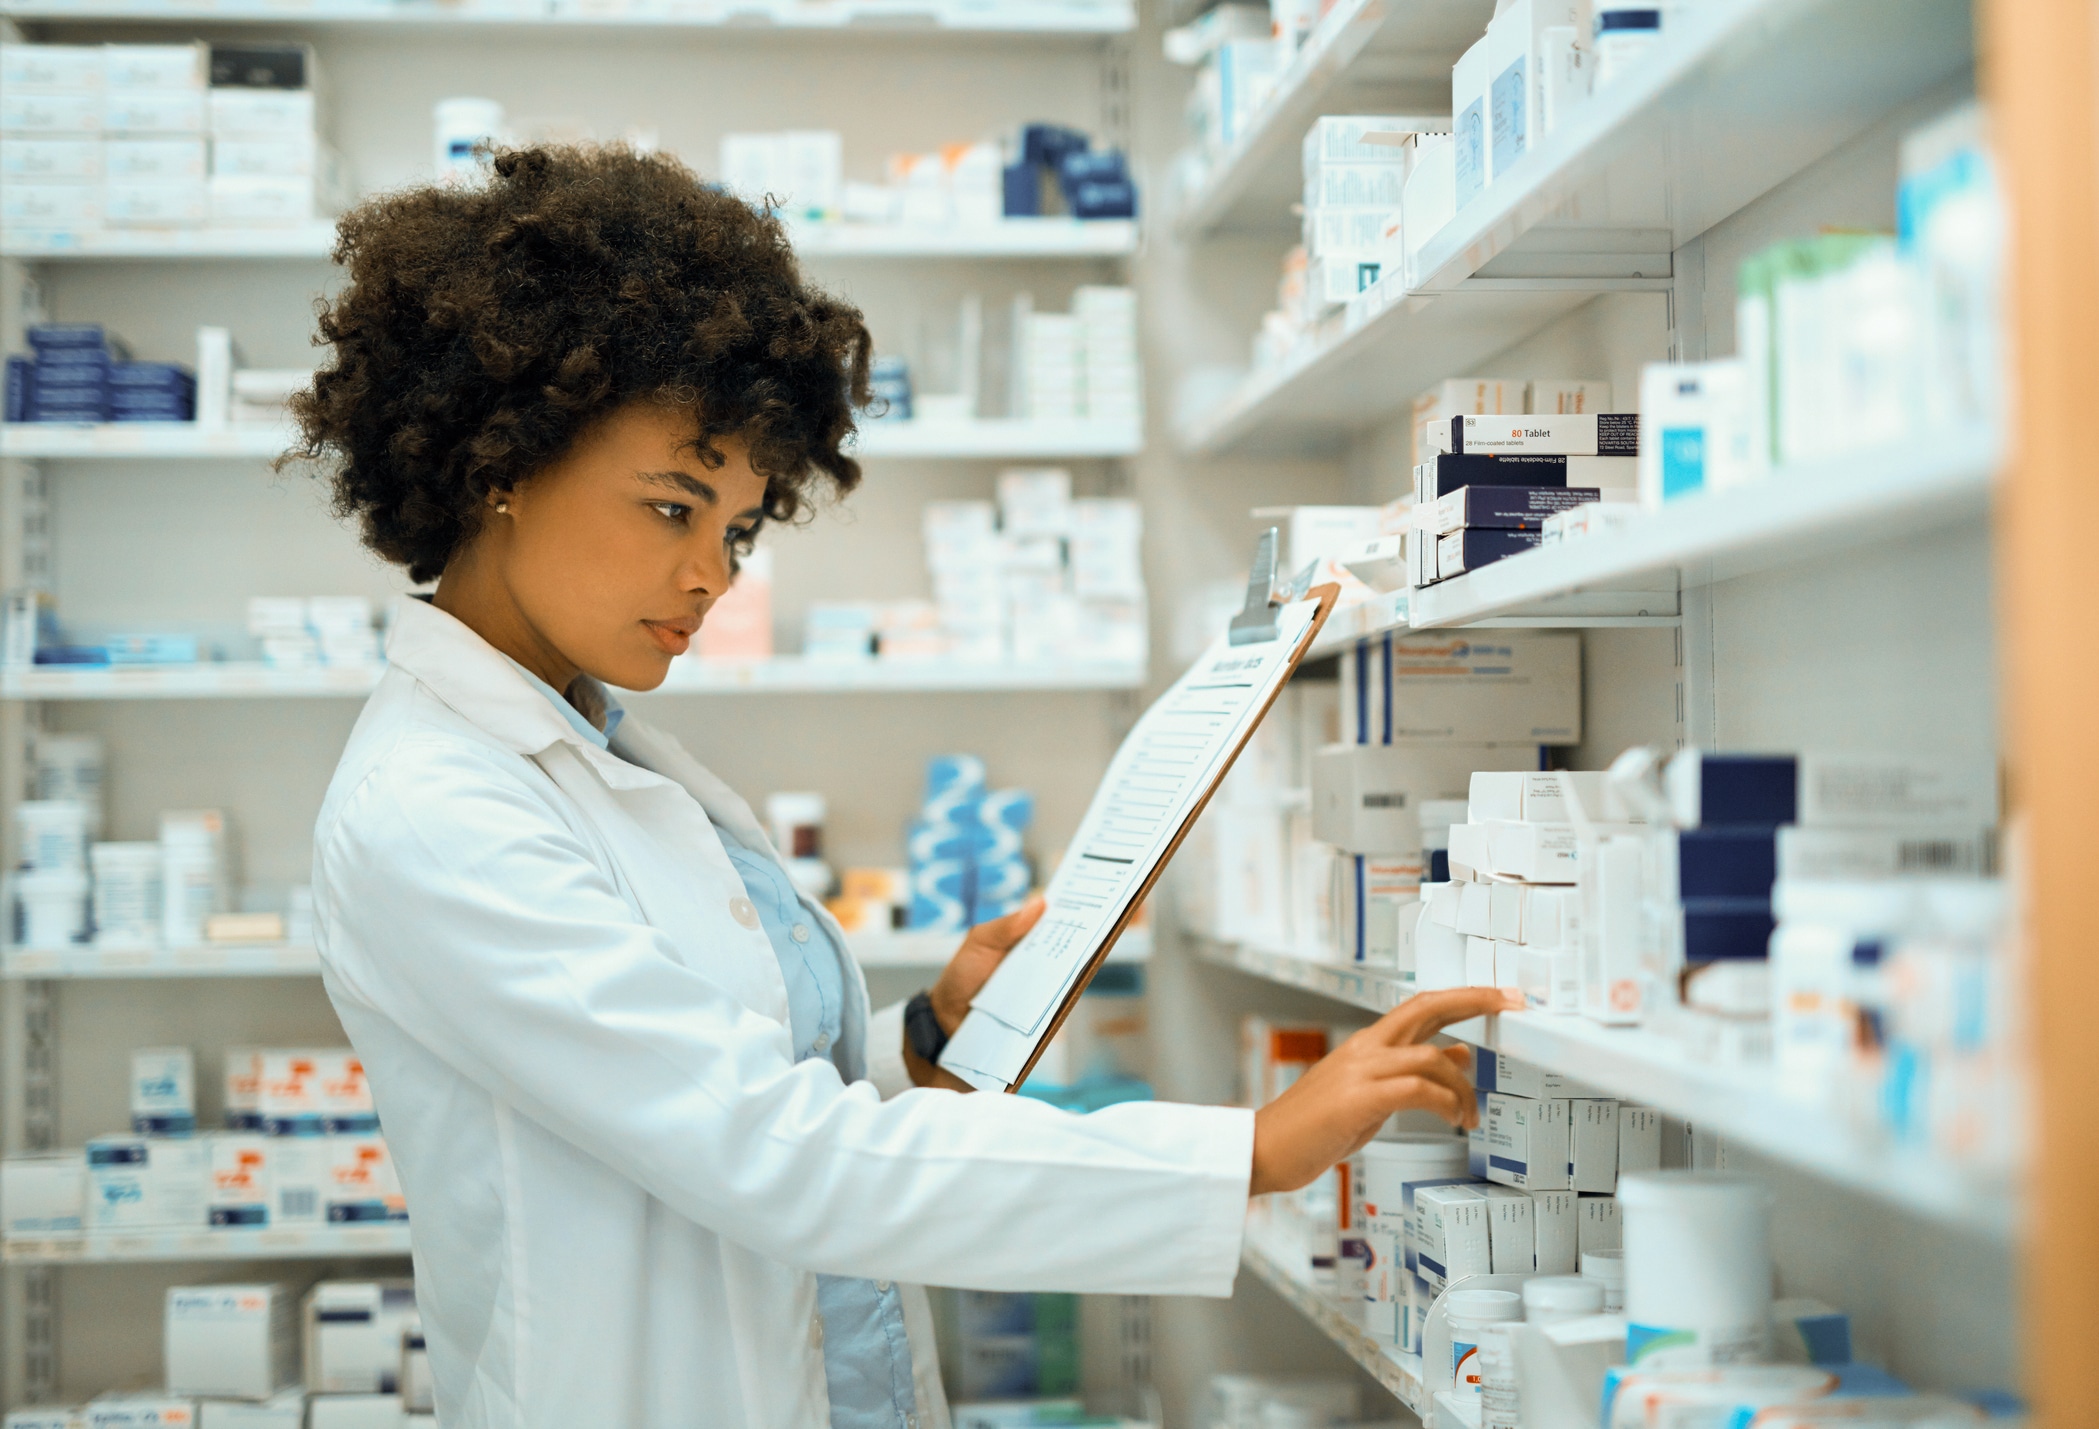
(1608, 434)
(231, 1341)
(25, 112)
(141, 1411)
(288, 1091)
(163, 1091)
(1511, 1231)
(241, 1183)
(1611, 919)
(1511, 508)
(27, 69)
(1597, 1224)
(1410, 1214)
(1454, 1238)
(362, 1186)
(1442, 474)
(1527, 1142)
(1639, 1139)
(47, 1418)
(153, 111)
(1593, 1144)
(1486, 688)
(1723, 862)
(156, 66)
(356, 1411)
(353, 1333)
(1817, 855)
(139, 1183)
(1715, 929)
(263, 64)
(1366, 797)
(261, 113)
(1557, 1220)
(43, 1194)
(50, 160)
(1499, 1072)
(1469, 109)
(243, 1088)
(1462, 551)
(282, 1411)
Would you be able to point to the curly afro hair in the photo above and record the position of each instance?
(484, 328)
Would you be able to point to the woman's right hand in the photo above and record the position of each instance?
(1335, 1108)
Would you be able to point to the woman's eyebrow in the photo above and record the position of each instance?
(680, 481)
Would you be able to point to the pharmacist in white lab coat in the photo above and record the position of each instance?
(664, 1167)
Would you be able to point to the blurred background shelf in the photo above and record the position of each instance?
(1035, 20)
(120, 1247)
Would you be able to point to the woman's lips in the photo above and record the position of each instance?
(673, 637)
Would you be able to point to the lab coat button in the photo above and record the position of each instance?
(744, 912)
(816, 1331)
(882, 1287)
(799, 932)
(823, 1042)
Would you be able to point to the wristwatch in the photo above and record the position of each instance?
(923, 1030)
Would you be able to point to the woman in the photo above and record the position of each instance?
(665, 1167)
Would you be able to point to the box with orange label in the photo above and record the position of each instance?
(362, 1187)
(240, 1189)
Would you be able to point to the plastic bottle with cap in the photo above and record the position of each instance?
(1697, 1269)
(1607, 1268)
(1549, 1299)
(1469, 1313)
(1623, 36)
(1382, 1171)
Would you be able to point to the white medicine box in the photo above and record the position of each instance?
(1527, 1142)
(43, 1195)
(356, 1411)
(282, 1411)
(234, 1341)
(1487, 688)
(141, 1411)
(1593, 1138)
(354, 1332)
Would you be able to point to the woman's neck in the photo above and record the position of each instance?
(472, 593)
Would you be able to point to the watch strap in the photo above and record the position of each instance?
(922, 1029)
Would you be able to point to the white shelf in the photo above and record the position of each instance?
(1399, 1373)
(1632, 575)
(107, 1247)
(1039, 238)
(1366, 57)
(213, 960)
(984, 439)
(870, 949)
(1744, 95)
(1041, 20)
(787, 674)
(1742, 1104)
(999, 439)
(156, 441)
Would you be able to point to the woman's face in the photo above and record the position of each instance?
(614, 553)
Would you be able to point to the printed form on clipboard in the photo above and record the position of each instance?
(1157, 783)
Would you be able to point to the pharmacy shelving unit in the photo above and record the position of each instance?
(1752, 121)
(1018, 238)
(1746, 94)
(1365, 56)
(1055, 48)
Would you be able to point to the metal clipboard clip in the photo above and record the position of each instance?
(1255, 625)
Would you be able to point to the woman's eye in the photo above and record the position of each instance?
(671, 511)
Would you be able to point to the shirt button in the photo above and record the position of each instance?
(799, 932)
(744, 912)
(823, 1042)
(882, 1286)
(816, 1331)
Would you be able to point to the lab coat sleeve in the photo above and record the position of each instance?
(885, 1051)
(459, 904)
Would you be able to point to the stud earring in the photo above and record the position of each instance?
(502, 507)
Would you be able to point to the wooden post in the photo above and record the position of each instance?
(2038, 76)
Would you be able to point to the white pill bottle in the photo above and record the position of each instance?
(1697, 1269)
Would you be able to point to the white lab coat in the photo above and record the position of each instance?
(620, 1184)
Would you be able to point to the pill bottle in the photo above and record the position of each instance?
(70, 766)
(1607, 1268)
(1697, 1269)
(1380, 1172)
(1549, 1299)
(128, 900)
(54, 833)
(1624, 35)
(1469, 1313)
(54, 907)
(1501, 1393)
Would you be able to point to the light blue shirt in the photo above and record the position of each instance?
(867, 1356)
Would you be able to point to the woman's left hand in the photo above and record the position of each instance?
(983, 948)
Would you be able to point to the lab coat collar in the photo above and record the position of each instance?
(454, 663)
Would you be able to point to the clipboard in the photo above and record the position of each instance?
(1255, 625)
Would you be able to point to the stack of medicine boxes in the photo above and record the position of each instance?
(1352, 187)
(1420, 714)
(1541, 1192)
(1485, 485)
(965, 847)
(77, 375)
(268, 162)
